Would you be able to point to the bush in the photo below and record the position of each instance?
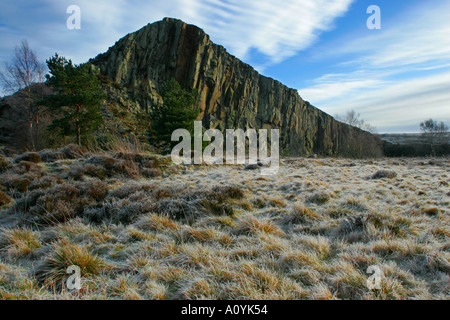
(96, 189)
(29, 156)
(95, 171)
(150, 172)
(4, 165)
(4, 199)
(73, 151)
(20, 183)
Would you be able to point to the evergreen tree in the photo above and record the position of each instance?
(177, 112)
(78, 99)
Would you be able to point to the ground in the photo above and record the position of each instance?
(140, 227)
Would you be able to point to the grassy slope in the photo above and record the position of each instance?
(140, 228)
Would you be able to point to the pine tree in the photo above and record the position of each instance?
(177, 112)
(78, 99)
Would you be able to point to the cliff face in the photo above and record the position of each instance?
(231, 93)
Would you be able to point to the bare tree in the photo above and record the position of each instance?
(436, 133)
(354, 119)
(20, 74)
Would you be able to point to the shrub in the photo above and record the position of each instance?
(4, 165)
(96, 189)
(94, 171)
(58, 204)
(29, 156)
(28, 166)
(73, 151)
(50, 155)
(20, 183)
(151, 172)
(127, 167)
(4, 199)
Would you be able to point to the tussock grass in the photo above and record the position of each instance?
(53, 270)
(20, 242)
(252, 225)
(140, 227)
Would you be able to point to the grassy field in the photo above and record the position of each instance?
(139, 227)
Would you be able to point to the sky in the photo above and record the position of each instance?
(394, 77)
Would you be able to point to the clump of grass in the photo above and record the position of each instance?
(318, 198)
(275, 202)
(156, 222)
(196, 288)
(228, 192)
(137, 235)
(296, 259)
(431, 211)
(201, 234)
(162, 193)
(348, 282)
(300, 214)
(252, 225)
(20, 242)
(124, 287)
(322, 292)
(53, 270)
(156, 290)
(4, 199)
(217, 208)
(380, 174)
(320, 245)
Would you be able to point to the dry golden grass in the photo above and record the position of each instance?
(221, 232)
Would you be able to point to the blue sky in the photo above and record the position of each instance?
(394, 77)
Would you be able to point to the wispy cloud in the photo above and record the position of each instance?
(394, 78)
(276, 30)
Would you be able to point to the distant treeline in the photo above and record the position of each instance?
(415, 149)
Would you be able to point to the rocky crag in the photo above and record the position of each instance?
(231, 93)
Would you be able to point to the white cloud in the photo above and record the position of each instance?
(396, 78)
(277, 30)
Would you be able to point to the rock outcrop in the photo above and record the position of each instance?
(231, 93)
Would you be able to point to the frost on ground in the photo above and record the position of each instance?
(139, 227)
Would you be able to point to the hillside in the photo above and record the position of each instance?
(231, 93)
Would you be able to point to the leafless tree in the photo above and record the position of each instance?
(354, 119)
(20, 74)
(436, 133)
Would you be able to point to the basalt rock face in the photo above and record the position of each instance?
(231, 93)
